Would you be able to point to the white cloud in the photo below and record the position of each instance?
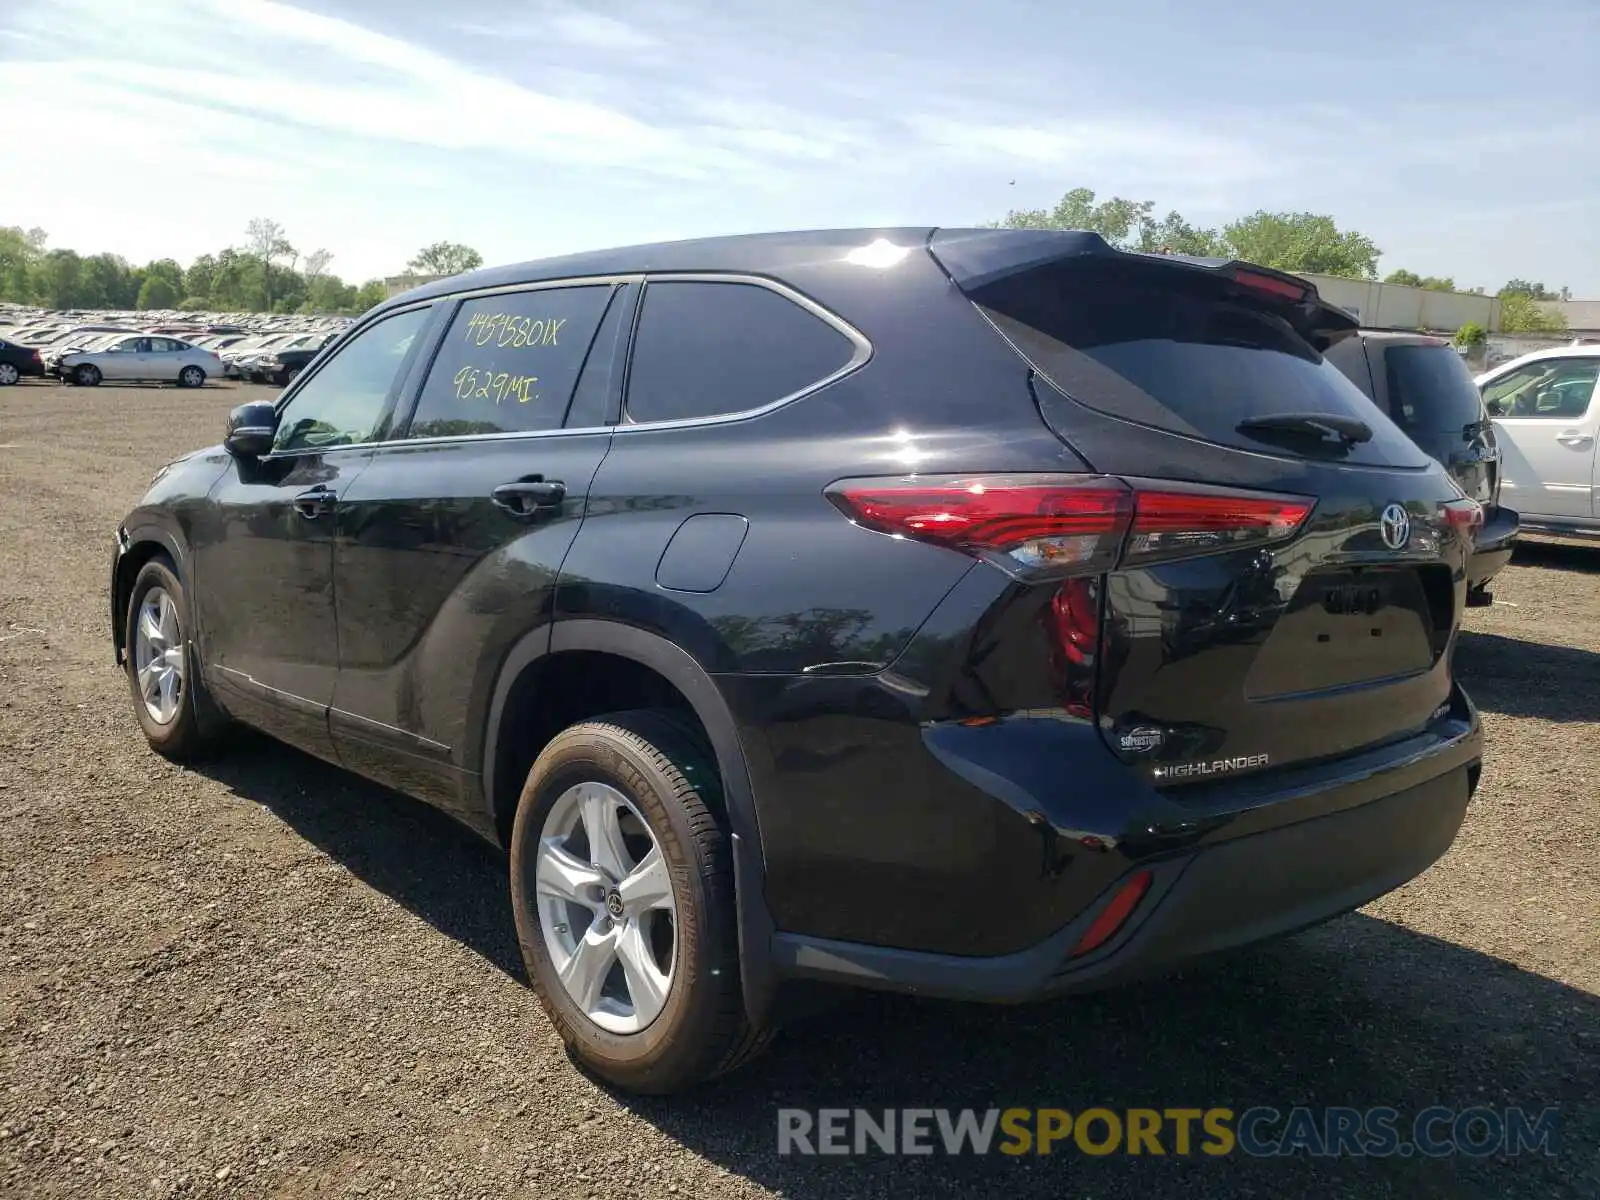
(601, 32)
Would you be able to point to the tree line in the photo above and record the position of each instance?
(1298, 242)
(266, 273)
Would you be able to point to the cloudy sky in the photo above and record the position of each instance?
(1463, 139)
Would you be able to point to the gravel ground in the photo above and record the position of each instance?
(271, 979)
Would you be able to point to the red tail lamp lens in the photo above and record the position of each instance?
(1068, 524)
(1465, 516)
(1271, 285)
(1115, 914)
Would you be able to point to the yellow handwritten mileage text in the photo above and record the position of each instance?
(474, 383)
(508, 329)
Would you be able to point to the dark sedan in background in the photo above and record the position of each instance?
(17, 361)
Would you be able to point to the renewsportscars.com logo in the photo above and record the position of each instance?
(1257, 1132)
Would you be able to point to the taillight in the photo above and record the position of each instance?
(1115, 914)
(1464, 516)
(1271, 285)
(1033, 525)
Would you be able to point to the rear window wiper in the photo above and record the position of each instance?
(1325, 427)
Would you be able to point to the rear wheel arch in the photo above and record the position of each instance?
(636, 669)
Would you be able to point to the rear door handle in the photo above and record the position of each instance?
(1572, 437)
(314, 503)
(527, 497)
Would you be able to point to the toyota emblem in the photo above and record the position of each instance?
(1395, 526)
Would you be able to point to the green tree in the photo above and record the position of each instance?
(198, 278)
(57, 280)
(1118, 220)
(1302, 242)
(328, 294)
(157, 293)
(1126, 224)
(1174, 234)
(1526, 287)
(266, 242)
(20, 251)
(1432, 283)
(317, 265)
(1520, 313)
(109, 282)
(445, 258)
(369, 294)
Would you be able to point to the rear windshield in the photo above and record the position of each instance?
(1430, 388)
(1176, 353)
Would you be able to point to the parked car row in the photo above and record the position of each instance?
(258, 347)
(86, 355)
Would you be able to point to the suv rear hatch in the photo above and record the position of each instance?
(1285, 586)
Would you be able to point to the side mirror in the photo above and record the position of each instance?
(250, 430)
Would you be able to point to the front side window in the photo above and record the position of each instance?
(509, 362)
(709, 348)
(343, 402)
(1555, 388)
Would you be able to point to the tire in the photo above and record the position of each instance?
(658, 777)
(195, 725)
(86, 375)
(191, 377)
(9, 374)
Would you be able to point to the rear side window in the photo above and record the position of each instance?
(706, 349)
(509, 362)
(1430, 388)
(1150, 346)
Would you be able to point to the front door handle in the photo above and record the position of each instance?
(527, 497)
(317, 501)
(1574, 438)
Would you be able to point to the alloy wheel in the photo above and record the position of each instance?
(158, 656)
(606, 907)
(8, 374)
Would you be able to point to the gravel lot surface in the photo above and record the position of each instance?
(271, 979)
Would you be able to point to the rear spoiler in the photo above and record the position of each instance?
(977, 258)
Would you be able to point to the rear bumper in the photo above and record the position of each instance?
(1493, 547)
(1392, 814)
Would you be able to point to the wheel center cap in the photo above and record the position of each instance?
(614, 902)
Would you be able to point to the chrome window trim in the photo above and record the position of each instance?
(861, 355)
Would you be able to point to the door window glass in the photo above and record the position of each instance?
(342, 403)
(1555, 388)
(509, 362)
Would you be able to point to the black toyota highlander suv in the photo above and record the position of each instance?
(986, 614)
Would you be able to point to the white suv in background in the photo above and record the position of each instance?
(1547, 410)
